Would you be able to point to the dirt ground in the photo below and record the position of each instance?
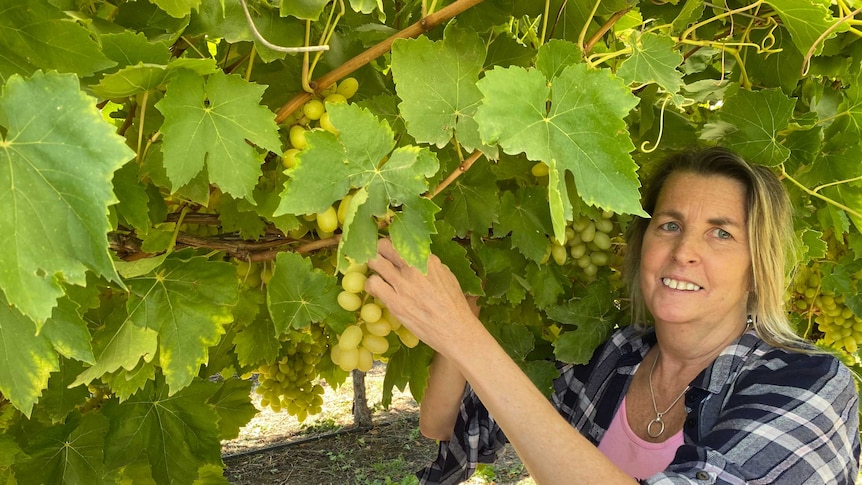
(274, 448)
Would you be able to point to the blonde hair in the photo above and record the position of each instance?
(770, 235)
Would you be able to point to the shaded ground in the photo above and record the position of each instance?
(274, 448)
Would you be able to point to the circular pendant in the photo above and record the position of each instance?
(660, 424)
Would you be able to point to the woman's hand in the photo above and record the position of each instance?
(431, 305)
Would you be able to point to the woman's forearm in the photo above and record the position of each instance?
(442, 400)
(551, 449)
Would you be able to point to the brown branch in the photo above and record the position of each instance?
(423, 25)
(463, 167)
(589, 44)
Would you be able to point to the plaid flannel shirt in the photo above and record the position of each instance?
(757, 415)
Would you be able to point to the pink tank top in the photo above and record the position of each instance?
(638, 458)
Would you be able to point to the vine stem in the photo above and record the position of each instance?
(463, 167)
(423, 25)
(591, 42)
(806, 64)
(260, 38)
(814, 193)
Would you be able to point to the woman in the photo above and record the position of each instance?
(716, 390)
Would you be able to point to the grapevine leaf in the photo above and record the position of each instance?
(59, 399)
(525, 215)
(840, 164)
(177, 8)
(128, 48)
(583, 132)
(690, 13)
(256, 343)
(437, 83)
(653, 60)
(37, 35)
(814, 245)
(806, 20)
(516, 340)
(188, 302)
(56, 163)
(68, 453)
(577, 346)
(132, 196)
(556, 55)
(68, 332)
(320, 177)
(245, 221)
(454, 256)
(542, 373)
(411, 230)
(594, 318)
(139, 78)
(367, 6)
(472, 202)
(210, 123)
(125, 383)
(298, 294)
(779, 69)
(547, 284)
(175, 432)
(361, 157)
(233, 406)
(119, 343)
(302, 9)
(407, 367)
(851, 106)
(757, 117)
(27, 361)
(359, 236)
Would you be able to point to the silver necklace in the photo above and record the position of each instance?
(657, 420)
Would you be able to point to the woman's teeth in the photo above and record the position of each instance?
(679, 285)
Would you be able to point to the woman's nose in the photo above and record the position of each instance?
(687, 249)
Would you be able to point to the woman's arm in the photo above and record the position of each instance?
(442, 400)
(434, 308)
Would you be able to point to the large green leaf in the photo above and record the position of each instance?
(187, 302)
(209, 123)
(583, 132)
(806, 20)
(177, 432)
(27, 360)
(298, 295)
(471, 203)
(594, 317)
(70, 453)
(524, 214)
(653, 60)
(37, 35)
(362, 157)
(756, 118)
(233, 404)
(437, 84)
(56, 163)
(119, 344)
(177, 8)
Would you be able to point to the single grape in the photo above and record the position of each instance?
(347, 87)
(313, 109)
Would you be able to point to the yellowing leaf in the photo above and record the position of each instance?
(56, 163)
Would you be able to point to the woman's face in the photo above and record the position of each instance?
(695, 261)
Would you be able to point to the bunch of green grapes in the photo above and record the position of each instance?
(313, 116)
(359, 343)
(290, 382)
(588, 244)
(841, 328)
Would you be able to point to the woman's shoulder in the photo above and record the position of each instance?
(806, 366)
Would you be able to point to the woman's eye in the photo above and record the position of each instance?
(722, 234)
(670, 226)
